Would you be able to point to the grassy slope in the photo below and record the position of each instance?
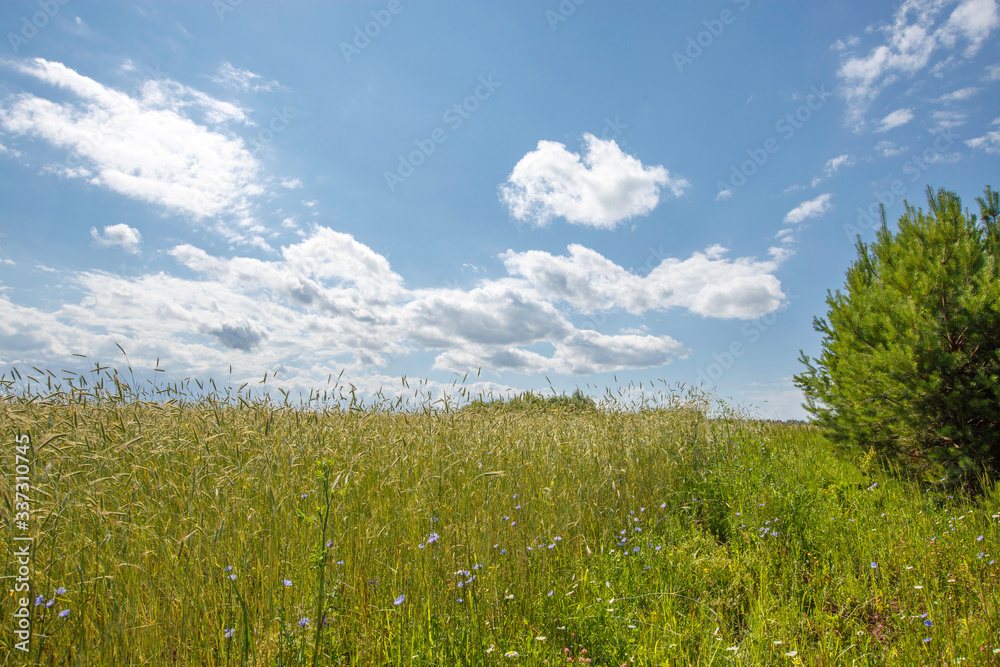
(744, 541)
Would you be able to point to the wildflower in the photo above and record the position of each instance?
(874, 565)
(733, 648)
(340, 562)
(64, 613)
(979, 539)
(62, 591)
(540, 639)
(929, 623)
(286, 582)
(39, 600)
(792, 654)
(511, 654)
(303, 622)
(551, 592)
(927, 639)
(229, 632)
(50, 603)
(420, 546)
(557, 539)
(663, 506)
(329, 544)
(432, 538)
(304, 495)
(398, 601)
(232, 577)
(229, 568)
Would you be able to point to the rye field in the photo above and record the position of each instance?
(182, 525)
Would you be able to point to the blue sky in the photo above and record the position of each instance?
(576, 193)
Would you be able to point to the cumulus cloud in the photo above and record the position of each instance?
(809, 209)
(706, 283)
(911, 40)
(724, 195)
(897, 118)
(329, 302)
(128, 238)
(600, 188)
(147, 147)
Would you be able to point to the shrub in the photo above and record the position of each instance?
(911, 348)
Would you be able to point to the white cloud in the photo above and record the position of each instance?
(989, 142)
(833, 165)
(145, 147)
(128, 238)
(705, 283)
(897, 118)
(291, 184)
(910, 42)
(233, 78)
(974, 20)
(809, 209)
(600, 188)
(947, 119)
(991, 73)
(329, 302)
(959, 95)
(887, 148)
(724, 195)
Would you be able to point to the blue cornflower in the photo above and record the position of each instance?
(329, 544)
(551, 592)
(557, 539)
(39, 600)
(304, 495)
(340, 562)
(929, 623)
(232, 577)
(228, 568)
(400, 600)
(286, 582)
(50, 603)
(874, 565)
(229, 632)
(927, 639)
(979, 539)
(62, 591)
(64, 613)
(432, 538)
(303, 622)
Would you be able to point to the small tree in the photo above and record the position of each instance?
(911, 348)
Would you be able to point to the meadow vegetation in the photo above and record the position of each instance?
(180, 526)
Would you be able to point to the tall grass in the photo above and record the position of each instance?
(209, 528)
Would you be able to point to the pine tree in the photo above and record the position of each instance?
(910, 362)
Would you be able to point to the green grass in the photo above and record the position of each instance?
(747, 543)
